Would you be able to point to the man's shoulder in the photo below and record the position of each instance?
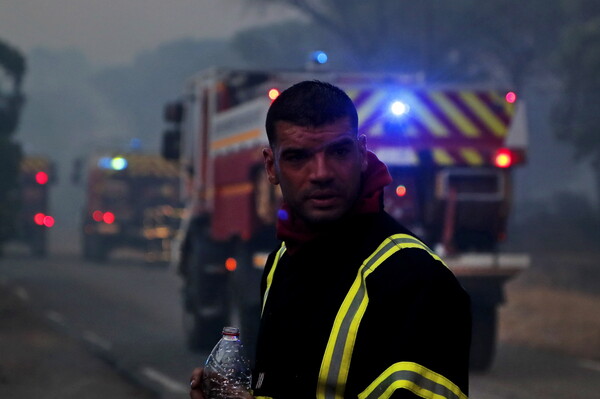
(405, 253)
(382, 226)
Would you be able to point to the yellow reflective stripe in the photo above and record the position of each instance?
(484, 113)
(466, 127)
(371, 105)
(338, 353)
(471, 156)
(441, 157)
(278, 256)
(416, 378)
(427, 117)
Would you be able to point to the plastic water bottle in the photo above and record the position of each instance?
(227, 371)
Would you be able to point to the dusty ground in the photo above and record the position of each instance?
(37, 360)
(556, 305)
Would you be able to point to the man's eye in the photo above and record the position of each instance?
(295, 157)
(341, 151)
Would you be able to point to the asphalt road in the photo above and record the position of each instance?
(130, 314)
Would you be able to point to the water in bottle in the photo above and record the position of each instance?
(227, 371)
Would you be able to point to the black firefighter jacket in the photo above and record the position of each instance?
(342, 319)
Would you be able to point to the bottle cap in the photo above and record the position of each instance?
(231, 331)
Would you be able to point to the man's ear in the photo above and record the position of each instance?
(269, 160)
(362, 147)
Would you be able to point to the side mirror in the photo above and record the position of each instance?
(173, 112)
(171, 144)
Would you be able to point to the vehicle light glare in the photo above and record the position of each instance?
(230, 264)
(104, 163)
(48, 221)
(401, 190)
(39, 219)
(273, 94)
(41, 178)
(320, 57)
(118, 163)
(503, 158)
(97, 216)
(511, 97)
(108, 217)
(399, 108)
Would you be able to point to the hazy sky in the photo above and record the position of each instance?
(114, 31)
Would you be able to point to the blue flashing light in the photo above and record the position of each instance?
(118, 163)
(320, 57)
(105, 163)
(282, 214)
(399, 108)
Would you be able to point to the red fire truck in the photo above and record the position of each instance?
(34, 218)
(131, 201)
(451, 152)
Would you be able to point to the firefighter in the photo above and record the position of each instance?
(354, 305)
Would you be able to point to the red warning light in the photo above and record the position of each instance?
(48, 221)
(97, 216)
(273, 94)
(108, 217)
(511, 97)
(230, 264)
(401, 191)
(41, 177)
(504, 158)
(39, 218)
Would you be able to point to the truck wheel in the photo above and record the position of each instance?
(205, 302)
(483, 340)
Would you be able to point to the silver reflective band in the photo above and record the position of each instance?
(415, 378)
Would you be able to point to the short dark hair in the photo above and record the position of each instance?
(310, 103)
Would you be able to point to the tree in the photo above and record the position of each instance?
(282, 46)
(12, 69)
(138, 92)
(463, 40)
(576, 114)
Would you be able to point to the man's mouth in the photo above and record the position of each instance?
(323, 199)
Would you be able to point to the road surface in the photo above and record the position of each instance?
(130, 314)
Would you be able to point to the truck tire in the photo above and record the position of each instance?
(205, 299)
(483, 339)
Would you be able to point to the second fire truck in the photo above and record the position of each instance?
(131, 201)
(34, 218)
(450, 150)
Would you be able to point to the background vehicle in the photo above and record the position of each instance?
(131, 201)
(34, 218)
(450, 151)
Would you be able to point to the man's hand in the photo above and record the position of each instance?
(196, 387)
(196, 384)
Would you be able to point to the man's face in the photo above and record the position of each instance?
(319, 168)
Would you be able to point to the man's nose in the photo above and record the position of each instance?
(321, 170)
